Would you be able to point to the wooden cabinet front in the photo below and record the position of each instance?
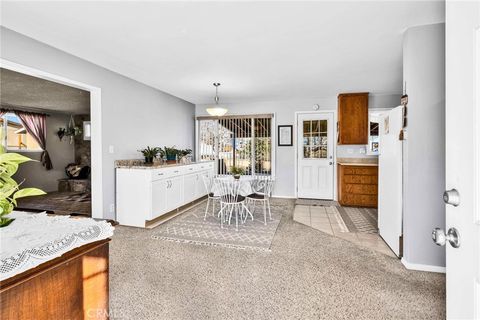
(358, 185)
(353, 118)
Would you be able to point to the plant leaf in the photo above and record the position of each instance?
(28, 192)
(13, 158)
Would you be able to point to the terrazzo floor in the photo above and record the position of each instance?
(309, 274)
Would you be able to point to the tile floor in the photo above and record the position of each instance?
(328, 220)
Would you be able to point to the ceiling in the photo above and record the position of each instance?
(259, 51)
(18, 89)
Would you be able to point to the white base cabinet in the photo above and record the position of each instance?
(146, 193)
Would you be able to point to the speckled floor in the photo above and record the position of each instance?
(307, 275)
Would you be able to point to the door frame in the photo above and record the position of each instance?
(335, 131)
(96, 126)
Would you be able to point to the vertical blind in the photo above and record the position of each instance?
(242, 141)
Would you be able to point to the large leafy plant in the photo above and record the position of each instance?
(9, 189)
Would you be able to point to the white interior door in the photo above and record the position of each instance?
(315, 155)
(390, 178)
(463, 158)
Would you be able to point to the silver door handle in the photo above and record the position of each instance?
(330, 163)
(451, 197)
(440, 238)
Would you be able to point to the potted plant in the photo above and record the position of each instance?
(237, 172)
(171, 153)
(9, 189)
(150, 154)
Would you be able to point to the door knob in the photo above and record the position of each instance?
(440, 238)
(330, 163)
(451, 197)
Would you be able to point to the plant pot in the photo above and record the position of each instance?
(171, 157)
(148, 160)
(236, 176)
(5, 222)
(171, 161)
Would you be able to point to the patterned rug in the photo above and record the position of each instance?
(64, 203)
(191, 228)
(315, 202)
(362, 220)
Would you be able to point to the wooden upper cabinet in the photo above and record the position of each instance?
(353, 118)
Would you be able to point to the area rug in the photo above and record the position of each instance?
(315, 202)
(191, 228)
(361, 220)
(63, 203)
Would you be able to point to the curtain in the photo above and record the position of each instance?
(35, 124)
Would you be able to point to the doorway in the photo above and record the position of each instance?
(315, 155)
(95, 128)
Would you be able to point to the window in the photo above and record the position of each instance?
(315, 139)
(243, 141)
(15, 136)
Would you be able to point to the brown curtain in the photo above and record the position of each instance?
(35, 124)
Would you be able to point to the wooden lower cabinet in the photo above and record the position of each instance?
(358, 185)
(73, 286)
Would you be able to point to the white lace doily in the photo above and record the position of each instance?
(33, 239)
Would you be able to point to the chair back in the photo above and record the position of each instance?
(229, 190)
(263, 185)
(208, 181)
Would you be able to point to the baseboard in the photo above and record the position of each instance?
(422, 267)
(282, 197)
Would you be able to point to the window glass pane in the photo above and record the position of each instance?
(315, 139)
(307, 125)
(323, 125)
(315, 126)
(17, 137)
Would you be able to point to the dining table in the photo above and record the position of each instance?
(246, 184)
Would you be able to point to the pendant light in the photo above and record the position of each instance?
(216, 110)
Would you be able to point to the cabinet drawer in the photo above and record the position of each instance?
(361, 189)
(359, 200)
(360, 179)
(360, 170)
(167, 173)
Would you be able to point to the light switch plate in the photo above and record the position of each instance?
(111, 149)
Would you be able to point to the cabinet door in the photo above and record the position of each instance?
(175, 193)
(159, 198)
(189, 189)
(353, 118)
(200, 187)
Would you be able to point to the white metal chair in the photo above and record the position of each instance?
(209, 182)
(231, 201)
(262, 192)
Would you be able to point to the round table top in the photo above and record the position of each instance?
(229, 177)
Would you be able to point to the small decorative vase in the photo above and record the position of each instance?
(236, 176)
(5, 222)
(148, 160)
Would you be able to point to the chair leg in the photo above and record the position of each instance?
(206, 210)
(265, 212)
(269, 211)
(231, 211)
(213, 208)
(236, 217)
(221, 217)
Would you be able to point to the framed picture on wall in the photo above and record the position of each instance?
(285, 136)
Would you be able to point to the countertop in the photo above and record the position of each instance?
(140, 164)
(368, 162)
(358, 164)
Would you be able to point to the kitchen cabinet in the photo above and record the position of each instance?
(353, 124)
(358, 185)
(144, 193)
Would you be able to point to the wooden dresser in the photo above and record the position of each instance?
(358, 185)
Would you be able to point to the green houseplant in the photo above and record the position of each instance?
(237, 171)
(9, 189)
(150, 154)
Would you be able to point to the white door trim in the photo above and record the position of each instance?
(96, 123)
(295, 130)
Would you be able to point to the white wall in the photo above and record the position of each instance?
(424, 151)
(61, 153)
(133, 115)
(285, 115)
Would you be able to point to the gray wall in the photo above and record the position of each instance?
(133, 115)
(61, 153)
(424, 151)
(285, 115)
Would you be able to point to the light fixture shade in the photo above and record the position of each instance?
(217, 111)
